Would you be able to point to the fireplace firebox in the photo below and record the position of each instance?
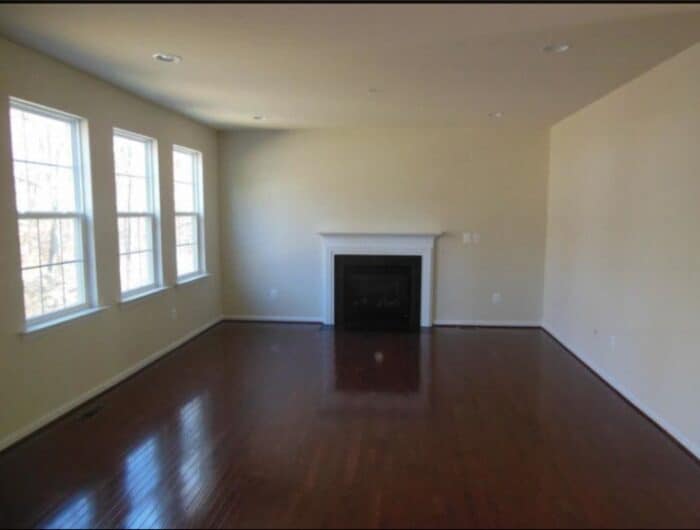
(377, 292)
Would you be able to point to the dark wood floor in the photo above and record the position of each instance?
(270, 425)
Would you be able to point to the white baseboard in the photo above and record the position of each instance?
(629, 396)
(18, 435)
(482, 323)
(490, 323)
(262, 318)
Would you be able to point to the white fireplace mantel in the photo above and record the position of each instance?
(379, 243)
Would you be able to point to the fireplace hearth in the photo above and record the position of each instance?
(377, 292)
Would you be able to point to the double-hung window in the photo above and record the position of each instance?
(51, 207)
(137, 213)
(189, 226)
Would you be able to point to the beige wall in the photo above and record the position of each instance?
(279, 189)
(41, 373)
(623, 245)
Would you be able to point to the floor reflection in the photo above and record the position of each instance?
(375, 371)
(77, 513)
(378, 371)
(142, 476)
(194, 473)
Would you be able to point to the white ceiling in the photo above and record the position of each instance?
(314, 65)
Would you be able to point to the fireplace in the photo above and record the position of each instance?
(377, 292)
(418, 246)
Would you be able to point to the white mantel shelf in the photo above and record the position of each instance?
(379, 243)
(374, 234)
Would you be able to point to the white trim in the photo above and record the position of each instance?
(64, 318)
(439, 322)
(23, 432)
(200, 209)
(152, 213)
(82, 183)
(489, 323)
(184, 280)
(393, 244)
(645, 409)
(275, 318)
(143, 295)
(432, 235)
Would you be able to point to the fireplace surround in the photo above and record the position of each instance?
(420, 245)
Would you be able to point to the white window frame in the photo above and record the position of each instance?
(88, 288)
(153, 214)
(198, 215)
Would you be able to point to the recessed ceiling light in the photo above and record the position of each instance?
(166, 57)
(560, 47)
(497, 114)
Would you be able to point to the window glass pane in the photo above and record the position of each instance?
(29, 242)
(50, 241)
(130, 157)
(45, 241)
(40, 138)
(55, 285)
(132, 194)
(71, 240)
(184, 198)
(183, 167)
(42, 188)
(186, 227)
(73, 275)
(136, 270)
(52, 288)
(32, 293)
(135, 234)
(186, 260)
(19, 136)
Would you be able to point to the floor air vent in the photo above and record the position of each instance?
(89, 412)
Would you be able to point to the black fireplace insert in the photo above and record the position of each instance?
(377, 292)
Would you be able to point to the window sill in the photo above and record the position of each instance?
(36, 328)
(191, 279)
(142, 296)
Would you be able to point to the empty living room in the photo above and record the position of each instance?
(349, 265)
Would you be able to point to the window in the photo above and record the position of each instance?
(52, 220)
(137, 214)
(187, 176)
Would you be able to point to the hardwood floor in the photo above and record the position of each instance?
(280, 425)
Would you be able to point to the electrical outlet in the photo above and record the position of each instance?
(613, 342)
(274, 294)
(496, 298)
(173, 313)
(466, 238)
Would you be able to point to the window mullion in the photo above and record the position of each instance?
(135, 214)
(49, 215)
